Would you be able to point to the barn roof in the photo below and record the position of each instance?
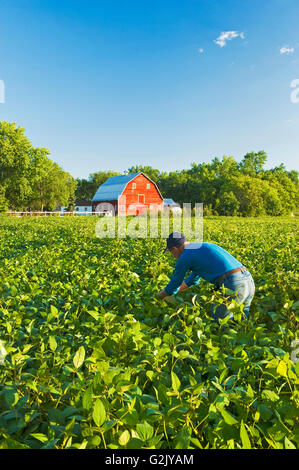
(113, 187)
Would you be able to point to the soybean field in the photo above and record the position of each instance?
(95, 361)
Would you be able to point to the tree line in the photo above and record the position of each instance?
(30, 180)
(225, 187)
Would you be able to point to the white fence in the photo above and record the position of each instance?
(54, 213)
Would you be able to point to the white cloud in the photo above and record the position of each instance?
(228, 36)
(200, 50)
(287, 50)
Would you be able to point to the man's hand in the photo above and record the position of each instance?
(161, 295)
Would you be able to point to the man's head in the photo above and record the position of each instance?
(175, 244)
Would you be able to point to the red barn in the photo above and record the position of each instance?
(130, 194)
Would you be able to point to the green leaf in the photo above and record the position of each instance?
(50, 445)
(230, 444)
(175, 382)
(250, 392)
(79, 357)
(99, 412)
(282, 369)
(56, 416)
(40, 437)
(94, 314)
(288, 444)
(27, 348)
(145, 431)
(134, 443)
(87, 399)
(70, 426)
(265, 412)
(131, 419)
(54, 311)
(246, 444)
(228, 418)
(124, 438)
(13, 291)
(270, 395)
(11, 397)
(182, 439)
(196, 442)
(108, 425)
(95, 440)
(150, 374)
(12, 444)
(53, 343)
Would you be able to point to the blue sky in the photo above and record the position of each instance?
(110, 84)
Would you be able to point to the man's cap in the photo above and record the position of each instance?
(174, 239)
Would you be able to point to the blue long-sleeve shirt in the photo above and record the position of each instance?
(206, 260)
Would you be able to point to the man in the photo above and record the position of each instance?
(212, 263)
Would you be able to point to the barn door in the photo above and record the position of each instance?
(141, 198)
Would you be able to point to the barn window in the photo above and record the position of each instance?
(134, 185)
(122, 208)
(148, 186)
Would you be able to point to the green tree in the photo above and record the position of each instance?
(28, 178)
(228, 204)
(152, 173)
(287, 187)
(253, 162)
(51, 185)
(3, 202)
(15, 157)
(86, 189)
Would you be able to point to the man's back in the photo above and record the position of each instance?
(206, 260)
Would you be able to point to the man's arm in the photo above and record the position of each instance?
(162, 294)
(192, 280)
(176, 283)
